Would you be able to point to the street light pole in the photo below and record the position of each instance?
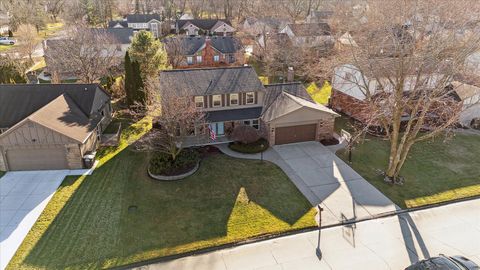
(318, 251)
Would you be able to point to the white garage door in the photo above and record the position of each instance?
(37, 159)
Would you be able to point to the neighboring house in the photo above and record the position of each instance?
(283, 113)
(204, 27)
(204, 51)
(50, 126)
(122, 38)
(469, 95)
(318, 16)
(137, 22)
(4, 21)
(349, 86)
(186, 16)
(260, 26)
(310, 35)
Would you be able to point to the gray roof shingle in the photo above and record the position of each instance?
(208, 81)
(18, 101)
(234, 115)
(204, 24)
(122, 35)
(294, 88)
(310, 29)
(142, 18)
(191, 45)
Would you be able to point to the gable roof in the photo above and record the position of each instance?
(112, 24)
(204, 24)
(18, 101)
(65, 117)
(192, 45)
(121, 35)
(310, 29)
(142, 18)
(293, 88)
(286, 103)
(208, 81)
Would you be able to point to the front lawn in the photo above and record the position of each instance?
(4, 48)
(435, 171)
(119, 215)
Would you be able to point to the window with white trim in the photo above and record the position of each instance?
(217, 100)
(250, 98)
(233, 99)
(199, 59)
(199, 102)
(189, 60)
(216, 58)
(253, 123)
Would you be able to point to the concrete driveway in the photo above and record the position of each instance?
(23, 196)
(326, 180)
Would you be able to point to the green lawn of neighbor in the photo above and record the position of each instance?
(87, 224)
(435, 171)
(4, 48)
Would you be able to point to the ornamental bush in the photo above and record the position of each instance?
(163, 164)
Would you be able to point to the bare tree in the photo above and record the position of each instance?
(176, 51)
(54, 8)
(407, 55)
(175, 117)
(86, 53)
(28, 39)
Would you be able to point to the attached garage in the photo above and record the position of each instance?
(37, 159)
(293, 134)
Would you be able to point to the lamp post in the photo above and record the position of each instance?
(261, 153)
(318, 251)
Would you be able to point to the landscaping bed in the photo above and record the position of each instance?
(118, 215)
(163, 164)
(331, 141)
(250, 148)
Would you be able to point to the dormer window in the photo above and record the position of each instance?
(217, 100)
(233, 99)
(199, 102)
(199, 59)
(250, 98)
(189, 60)
(216, 58)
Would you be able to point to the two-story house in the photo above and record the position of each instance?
(50, 126)
(204, 27)
(204, 51)
(284, 113)
(137, 22)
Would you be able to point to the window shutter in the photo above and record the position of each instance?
(205, 101)
(223, 100)
(227, 96)
(210, 101)
(255, 98)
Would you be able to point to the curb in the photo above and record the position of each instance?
(262, 238)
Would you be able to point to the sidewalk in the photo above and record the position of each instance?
(387, 243)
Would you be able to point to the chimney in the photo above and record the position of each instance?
(290, 74)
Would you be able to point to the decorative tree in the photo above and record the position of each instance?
(245, 134)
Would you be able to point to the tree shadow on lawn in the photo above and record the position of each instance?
(227, 200)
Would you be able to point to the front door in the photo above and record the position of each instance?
(218, 128)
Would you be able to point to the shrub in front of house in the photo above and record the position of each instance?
(250, 148)
(245, 134)
(163, 164)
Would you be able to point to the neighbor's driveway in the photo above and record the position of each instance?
(325, 179)
(23, 196)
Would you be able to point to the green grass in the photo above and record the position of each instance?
(2, 173)
(4, 48)
(435, 171)
(87, 224)
(50, 29)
